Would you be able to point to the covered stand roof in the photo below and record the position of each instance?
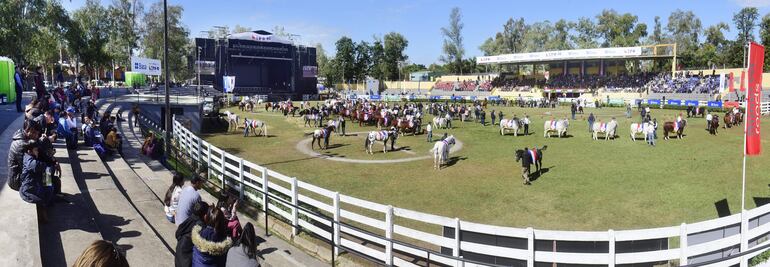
(634, 52)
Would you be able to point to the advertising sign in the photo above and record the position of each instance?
(228, 82)
(653, 102)
(691, 103)
(715, 104)
(309, 71)
(674, 102)
(146, 66)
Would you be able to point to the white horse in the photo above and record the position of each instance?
(383, 136)
(640, 128)
(321, 134)
(557, 126)
(506, 124)
(232, 120)
(440, 151)
(257, 124)
(608, 129)
(439, 123)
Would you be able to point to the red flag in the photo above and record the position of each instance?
(732, 82)
(743, 78)
(753, 99)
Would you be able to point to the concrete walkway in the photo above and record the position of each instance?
(276, 252)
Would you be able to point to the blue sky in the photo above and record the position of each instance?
(420, 21)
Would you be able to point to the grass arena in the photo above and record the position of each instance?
(585, 184)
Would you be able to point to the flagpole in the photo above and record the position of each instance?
(744, 227)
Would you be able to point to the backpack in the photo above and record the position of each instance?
(14, 181)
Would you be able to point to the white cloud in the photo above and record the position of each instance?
(753, 3)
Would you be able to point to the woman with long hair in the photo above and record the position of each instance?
(245, 253)
(211, 243)
(171, 200)
(101, 253)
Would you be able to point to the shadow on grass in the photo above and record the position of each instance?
(761, 201)
(723, 209)
(453, 160)
(534, 176)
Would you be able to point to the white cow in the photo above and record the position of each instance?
(609, 129)
(557, 126)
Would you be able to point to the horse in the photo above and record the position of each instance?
(693, 111)
(440, 151)
(642, 128)
(253, 125)
(512, 124)
(533, 156)
(323, 133)
(404, 126)
(714, 125)
(383, 136)
(232, 120)
(608, 129)
(558, 126)
(673, 127)
(310, 118)
(729, 120)
(439, 123)
(363, 117)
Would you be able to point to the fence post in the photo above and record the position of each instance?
(744, 238)
(240, 178)
(530, 247)
(456, 249)
(336, 223)
(683, 244)
(264, 190)
(611, 260)
(208, 161)
(294, 209)
(200, 146)
(389, 236)
(224, 169)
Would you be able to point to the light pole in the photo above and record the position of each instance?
(167, 137)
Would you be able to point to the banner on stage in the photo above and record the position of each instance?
(228, 82)
(754, 98)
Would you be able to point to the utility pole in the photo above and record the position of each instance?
(167, 137)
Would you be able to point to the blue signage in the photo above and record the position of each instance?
(653, 101)
(435, 97)
(691, 103)
(674, 102)
(715, 104)
(493, 98)
(473, 98)
(411, 97)
(457, 98)
(374, 97)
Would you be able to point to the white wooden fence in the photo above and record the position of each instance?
(251, 179)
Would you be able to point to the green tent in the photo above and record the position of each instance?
(7, 83)
(135, 78)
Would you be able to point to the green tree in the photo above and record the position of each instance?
(538, 36)
(684, 27)
(453, 42)
(92, 19)
(657, 32)
(560, 36)
(413, 68)
(618, 30)
(178, 39)
(764, 37)
(745, 22)
(513, 35)
(19, 20)
(324, 65)
(587, 34)
(394, 46)
(377, 69)
(344, 59)
(363, 60)
(715, 40)
(44, 45)
(123, 33)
